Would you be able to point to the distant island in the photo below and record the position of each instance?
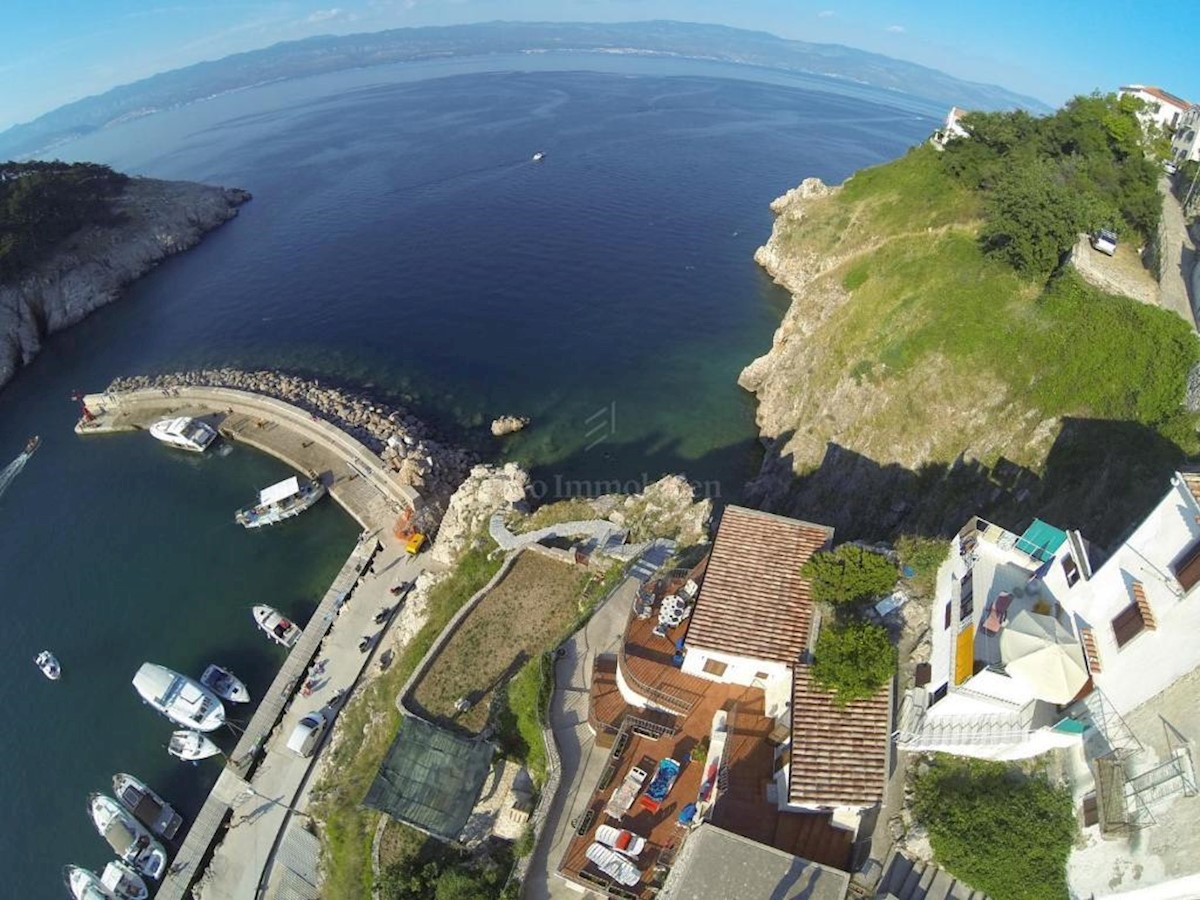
(73, 235)
(319, 55)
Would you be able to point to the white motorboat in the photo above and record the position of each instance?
(225, 684)
(191, 745)
(279, 629)
(128, 838)
(85, 884)
(539, 156)
(281, 501)
(184, 433)
(181, 699)
(124, 881)
(48, 663)
(147, 807)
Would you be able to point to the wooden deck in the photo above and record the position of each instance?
(744, 807)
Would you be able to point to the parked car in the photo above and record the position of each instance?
(415, 543)
(1105, 241)
(307, 734)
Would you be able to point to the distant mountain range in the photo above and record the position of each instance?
(332, 53)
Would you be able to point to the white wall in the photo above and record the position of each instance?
(1157, 110)
(1186, 143)
(1152, 660)
(777, 686)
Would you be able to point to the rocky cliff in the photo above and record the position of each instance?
(913, 382)
(92, 266)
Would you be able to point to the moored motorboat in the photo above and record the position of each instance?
(85, 884)
(225, 684)
(185, 433)
(281, 501)
(181, 699)
(147, 807)
(124, 881)
(127, 836)
(48, 663)
(191, 745)
(278, 628)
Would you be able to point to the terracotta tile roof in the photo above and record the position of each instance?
(1158, 93)
(839, 753)
(753, 601)
(1192, 480)
(1143, 605)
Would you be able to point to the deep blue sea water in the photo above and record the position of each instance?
(400, 237)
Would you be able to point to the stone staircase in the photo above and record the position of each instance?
(906, 879)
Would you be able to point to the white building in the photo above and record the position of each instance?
(1185, 144)
(1162, 108)
(951, 128)
(1023, 631)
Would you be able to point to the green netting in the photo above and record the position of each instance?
(431, 778)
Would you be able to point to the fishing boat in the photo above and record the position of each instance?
(279, 629)
(147, 807)
(184, 433)
(31, 445)
(225, 684)
(181, 699)
(127, 836)
(191, 746)
(281, 501)
(48, 663)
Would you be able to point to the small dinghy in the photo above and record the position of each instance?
(127, 836)
(225, 684)
(191, 745)
(48, 663)
(279, 629)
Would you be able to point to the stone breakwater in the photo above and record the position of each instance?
(155, 219)
(401, 440)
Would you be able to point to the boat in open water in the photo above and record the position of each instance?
(181, 699)
(128, 838)
(120, 881)
(147, 807)
(281, 501)
(31, 445)
(48, 663)
(278, 628)
(225, 684)
(191, 746)
(184, 433)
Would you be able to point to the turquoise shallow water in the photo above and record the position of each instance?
(400, 237)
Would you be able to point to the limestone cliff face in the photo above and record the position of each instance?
(90, 268)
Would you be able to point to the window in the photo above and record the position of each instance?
(966, 606)
(1070, 569)
(714, 668)
(1128, 624)
(761, 676)
(949, 614)
(1187, 570)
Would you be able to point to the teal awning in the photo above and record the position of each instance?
(1041, 540)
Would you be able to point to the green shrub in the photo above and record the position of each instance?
(1005, 833)
(924, 556)
(849, 574)
(853, 660)
(520, 720)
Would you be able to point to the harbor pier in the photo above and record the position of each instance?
(221, 855)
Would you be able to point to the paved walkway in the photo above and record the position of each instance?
(600, 529)
(1176, 288)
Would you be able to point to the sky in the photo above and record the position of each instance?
(56, 51)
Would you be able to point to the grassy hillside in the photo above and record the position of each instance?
(922, 377)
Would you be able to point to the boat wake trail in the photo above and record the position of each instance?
(11, 471)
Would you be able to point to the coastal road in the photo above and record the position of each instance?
(1176, 287)
(241, 861)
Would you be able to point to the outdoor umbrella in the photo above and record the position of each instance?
(1039, 651)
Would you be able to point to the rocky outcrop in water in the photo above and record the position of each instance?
(402, 440)
(156, 219)
(508, 425)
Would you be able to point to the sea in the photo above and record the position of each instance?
(401, 241)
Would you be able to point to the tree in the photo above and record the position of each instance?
(1032, 219)
(1002, 831)
(849, 574)
(853, 660)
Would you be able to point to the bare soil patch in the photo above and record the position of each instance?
(520, 617)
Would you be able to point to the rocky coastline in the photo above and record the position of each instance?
(155, 219)
(400, 439)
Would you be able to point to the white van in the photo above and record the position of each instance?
(307, 734)
(1105, 241)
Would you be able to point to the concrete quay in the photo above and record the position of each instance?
(357, 479)
(263, 784)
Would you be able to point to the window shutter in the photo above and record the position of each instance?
(1187, 570)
